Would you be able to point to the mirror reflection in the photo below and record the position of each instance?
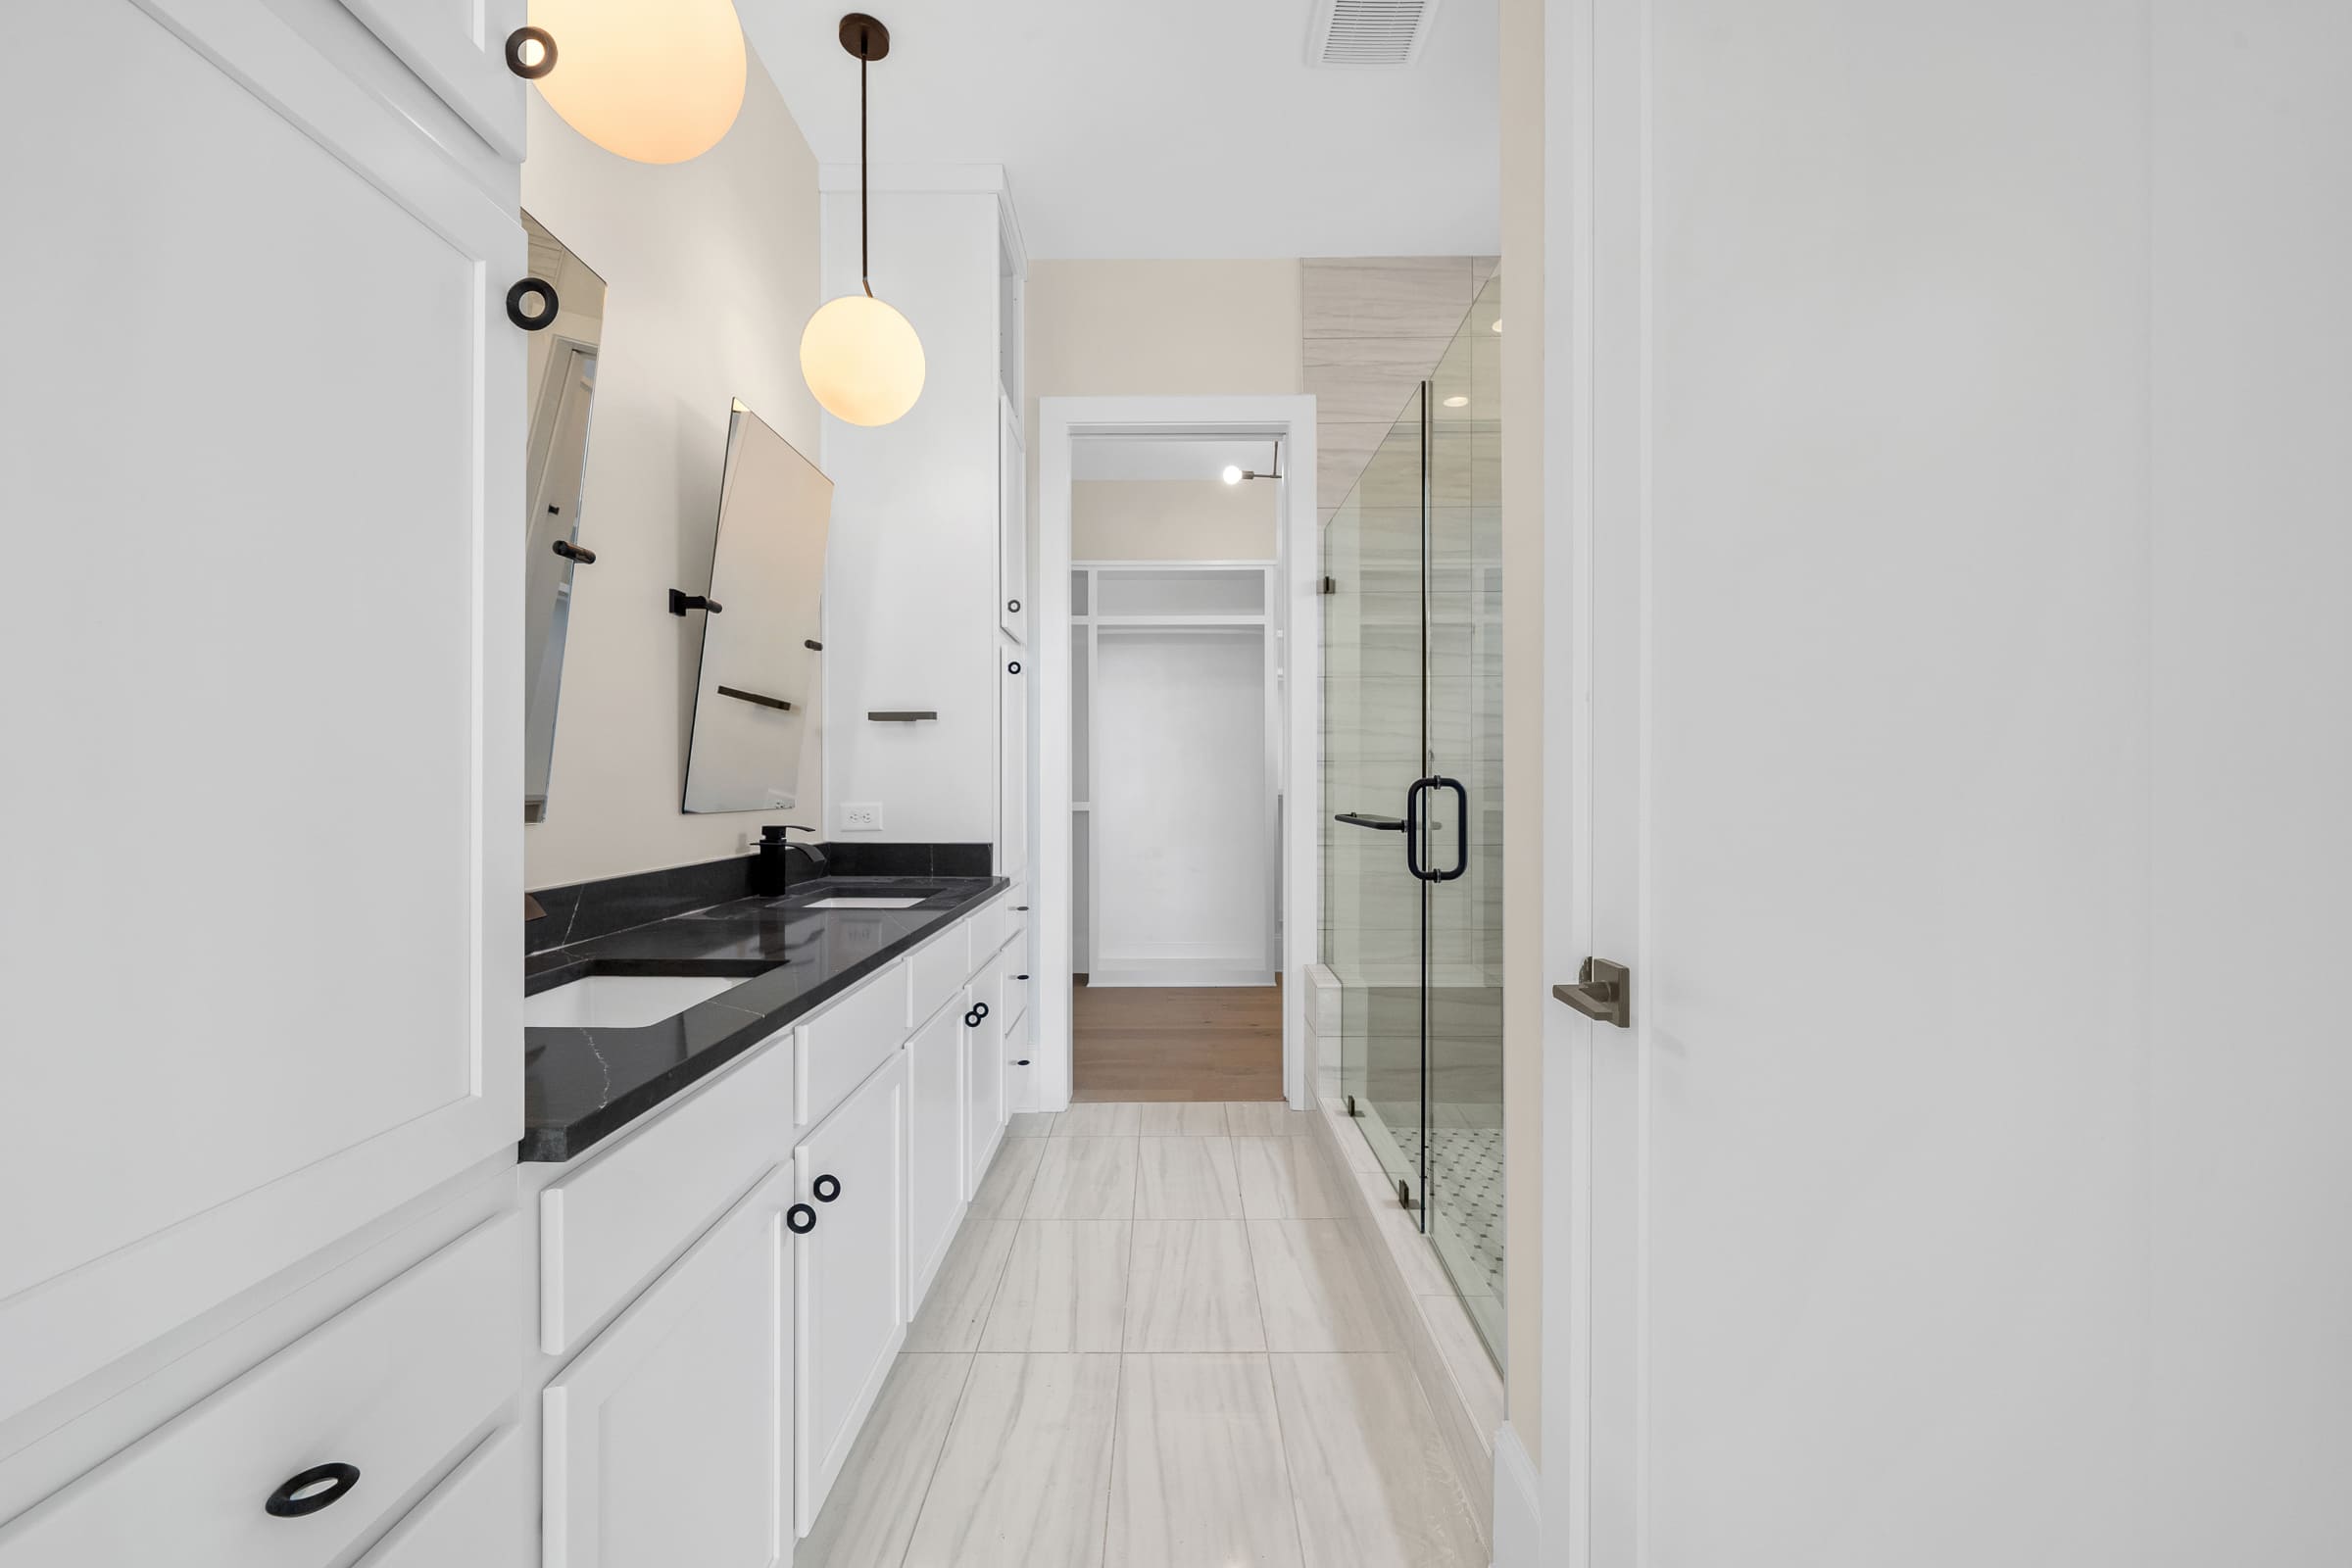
(755, 698)
(561, 375)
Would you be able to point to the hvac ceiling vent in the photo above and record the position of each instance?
(1367, 32)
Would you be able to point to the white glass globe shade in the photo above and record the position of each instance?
(862, 359)
(655, 81)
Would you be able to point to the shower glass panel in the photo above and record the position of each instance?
(1413, 924)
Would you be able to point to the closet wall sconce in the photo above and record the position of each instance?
(680, 603)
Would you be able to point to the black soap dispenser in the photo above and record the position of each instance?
(772, 868)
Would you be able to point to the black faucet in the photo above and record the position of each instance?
(771, 870)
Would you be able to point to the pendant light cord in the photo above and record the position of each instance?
(864, 245)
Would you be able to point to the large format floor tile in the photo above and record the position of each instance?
(1373, 1485)
(1187, 1178)
(1181, 1118)
(1099, 1119)
(868, 1516)
(960, 1293)
(1286, 1178)
(1263, 1118)
(1024, 1480)
(1198, 1476)
(1312, 1290)
(1030, 1124)
(1083, 1178)
(1064, 1288)
(1005, 1189)
(1190, 1287)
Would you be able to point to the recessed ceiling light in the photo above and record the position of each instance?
(1458, 402)
(1232, 474)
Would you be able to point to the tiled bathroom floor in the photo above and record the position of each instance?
(1153, 1346)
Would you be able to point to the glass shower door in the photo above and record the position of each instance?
(1373, 749)
(1412, 790)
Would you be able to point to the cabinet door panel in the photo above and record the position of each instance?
(661, 1439)
(1013, 526)
(934, 1146)
(1013, 765)
(984, 1074)
(278, 539)
(485, 1515)
(850, 1275)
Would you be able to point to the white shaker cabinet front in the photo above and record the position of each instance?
(484, 1515)
(984, 1072)
(850, 1318)
(934, 1145)
(662, 1441)
(265, 444)
(459, 47)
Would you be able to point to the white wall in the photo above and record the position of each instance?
(710, 270)
(1171, 520)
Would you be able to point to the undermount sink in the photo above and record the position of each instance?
(622, 1000)
(851, 902)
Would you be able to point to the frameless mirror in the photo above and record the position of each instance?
(562, 377)
(754, 697)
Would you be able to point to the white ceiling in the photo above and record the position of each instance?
(1175, 129)
(1101, 457)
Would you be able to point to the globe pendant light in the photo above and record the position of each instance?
(860, 357)
(657, 81)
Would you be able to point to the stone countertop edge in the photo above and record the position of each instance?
(581, 1085)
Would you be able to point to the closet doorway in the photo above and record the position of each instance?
(1177, 725)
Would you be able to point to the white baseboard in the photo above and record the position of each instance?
(1174, 975)
(1518, 1513)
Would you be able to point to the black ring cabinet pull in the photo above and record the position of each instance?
(1014, 606)
(295, 1497)
(546, 52)
(980, 1007)
(971, 1018)
(826, 1188)
(523, 289)
(574, 554)
(1013, 669)
(799, 1219)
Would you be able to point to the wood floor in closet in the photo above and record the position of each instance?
(1137, 1043)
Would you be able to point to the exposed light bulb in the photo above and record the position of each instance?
(1233, 473)
(658, 84)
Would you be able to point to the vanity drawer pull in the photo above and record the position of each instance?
(307, 1492)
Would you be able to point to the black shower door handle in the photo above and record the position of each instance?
(1413, 828)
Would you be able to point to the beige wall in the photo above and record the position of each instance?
(710, 270)
(1171, 520)
(1524, 993)
(1120, 328)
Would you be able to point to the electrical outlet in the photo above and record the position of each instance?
(863, 817)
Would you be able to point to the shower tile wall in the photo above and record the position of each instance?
(1374, 328)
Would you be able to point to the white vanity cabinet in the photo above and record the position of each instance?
(276, 343)
(850, 1296)
(1012, 525)
(935, 1166)
(985, 1113)
(662, 1440)
(459, 47)
(484, 1515)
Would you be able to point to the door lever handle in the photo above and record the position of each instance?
(1602, 992)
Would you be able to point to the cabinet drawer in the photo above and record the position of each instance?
(607, 1227)
(392, 1385)
(936, 972)
(987, 930)
(485, 1515)
(856, 1035)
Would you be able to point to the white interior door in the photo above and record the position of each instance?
(1948, 516)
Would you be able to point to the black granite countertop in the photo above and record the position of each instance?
(581, 1085)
